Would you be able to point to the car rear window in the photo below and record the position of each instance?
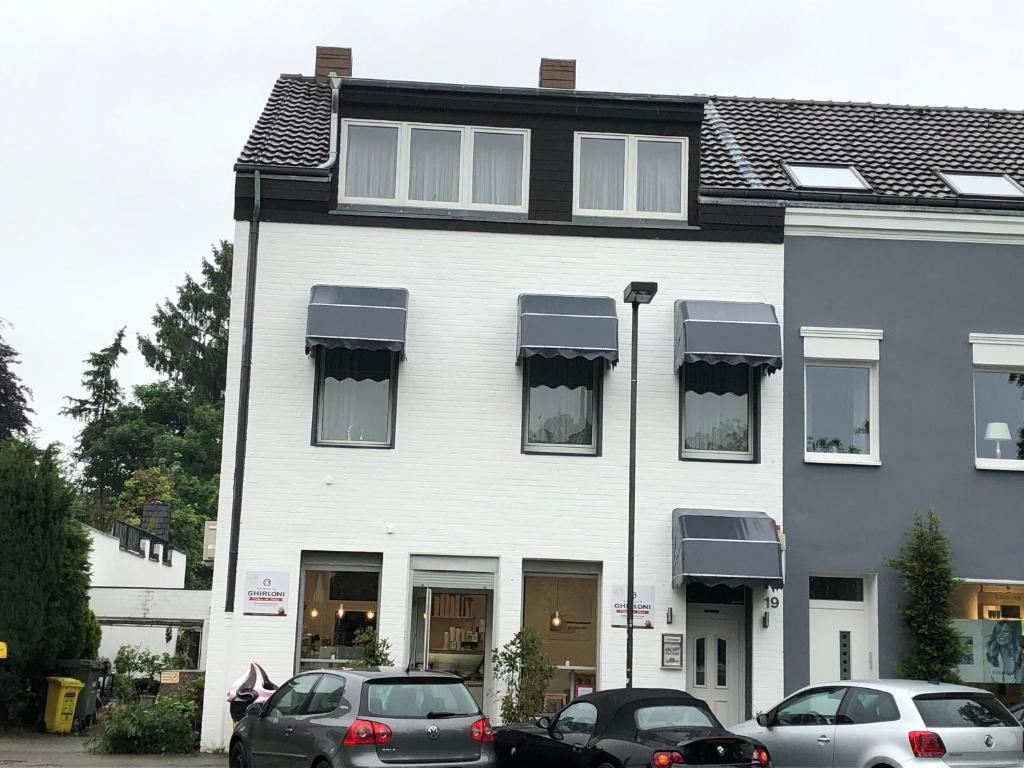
(672, 716)
(419, 698)
(963, 710)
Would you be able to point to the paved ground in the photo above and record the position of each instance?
(37, 750)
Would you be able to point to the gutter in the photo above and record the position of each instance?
(245, 376)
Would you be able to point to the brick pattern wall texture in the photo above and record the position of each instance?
(456, 482)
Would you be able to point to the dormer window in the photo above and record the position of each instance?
(434, 166)
(825, 176)
(982, 184)
(629, 176)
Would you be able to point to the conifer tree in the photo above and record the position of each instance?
(14, 410)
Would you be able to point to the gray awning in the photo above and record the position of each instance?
(717, 546)
(356, 317)
(728, 332)
(568, 326)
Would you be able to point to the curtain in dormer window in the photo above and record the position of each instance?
(497, 168)
(602, 174)
(659, 184)
(434, 165)
(371, 161)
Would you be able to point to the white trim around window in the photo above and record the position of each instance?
(468, 134)
(845, 348)
(1003, 354)
(629, 182)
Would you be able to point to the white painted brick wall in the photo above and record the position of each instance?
(456, 482)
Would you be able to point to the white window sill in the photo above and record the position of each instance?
(841, 458)
(1005, 465)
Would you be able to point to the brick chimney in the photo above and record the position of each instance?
(337, 60)
(558, 73)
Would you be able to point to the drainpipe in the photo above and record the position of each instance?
(245, 378)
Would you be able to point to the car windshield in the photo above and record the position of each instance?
(963, 710)
(672, 716)
(419, 698)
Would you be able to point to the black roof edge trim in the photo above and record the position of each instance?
(853, 197)
(291, 170)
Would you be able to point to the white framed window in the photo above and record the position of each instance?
(826, 176)
(998, 401)
(562, 405)
(434, 166)
(718, 411)
(356, 391)
(982, 184)
(841, 395)
(629, 176)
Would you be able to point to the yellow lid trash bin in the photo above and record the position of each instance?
(61, 698)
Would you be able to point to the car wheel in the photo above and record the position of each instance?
(237, 758)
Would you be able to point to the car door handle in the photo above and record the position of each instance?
(824, 739)
(577, 747)
(288, 730)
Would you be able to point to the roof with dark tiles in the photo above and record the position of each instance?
(745, 141)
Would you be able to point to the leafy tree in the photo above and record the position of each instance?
(924, 563)
(524, 669)
(14, 395)
(374, 650)
(191, 340)
(44, 568)
(103, 395)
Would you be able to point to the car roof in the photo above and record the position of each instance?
(617, 697)
(911, 687)
(387, 673)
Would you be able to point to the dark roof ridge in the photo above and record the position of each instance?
(828, 103)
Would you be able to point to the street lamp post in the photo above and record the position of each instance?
(636, 293)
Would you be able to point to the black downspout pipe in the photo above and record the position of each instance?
(242, 423)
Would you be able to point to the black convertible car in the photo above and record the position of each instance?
(627, 727)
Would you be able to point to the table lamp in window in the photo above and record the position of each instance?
(997, 431)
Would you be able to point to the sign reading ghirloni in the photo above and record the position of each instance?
(266, 593)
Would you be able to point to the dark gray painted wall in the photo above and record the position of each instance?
(926, 297)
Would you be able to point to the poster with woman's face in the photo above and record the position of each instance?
(1002, 651)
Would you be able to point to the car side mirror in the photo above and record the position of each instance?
(255, 709)
(762, 719)
(544, 722)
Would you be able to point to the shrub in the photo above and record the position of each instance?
(137, 671)
(169, 725)
(524, 669)
(374, 651)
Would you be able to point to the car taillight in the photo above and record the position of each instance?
(926, 744)
(367, 732)
(760, 757)
(481, 730)
(666, 759)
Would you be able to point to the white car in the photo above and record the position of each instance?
(878, 723)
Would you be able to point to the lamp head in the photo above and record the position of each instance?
(997, 430)
(639, 292)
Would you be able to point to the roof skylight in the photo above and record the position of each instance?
(983, 184)
(825, 176)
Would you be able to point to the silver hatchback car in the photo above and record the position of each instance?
(867, 724)
(365, 719)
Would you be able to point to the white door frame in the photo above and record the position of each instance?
(733, 616)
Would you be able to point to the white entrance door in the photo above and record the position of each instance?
(840, 641)
(715, 658)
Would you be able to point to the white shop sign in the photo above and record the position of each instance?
(643, 606)
(266, 593)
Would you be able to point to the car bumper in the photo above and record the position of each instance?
(372, 761)
(995, 762)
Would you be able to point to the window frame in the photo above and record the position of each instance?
(318, 395)
(803, 694)
(789, 167)
(402, 162)
(562, 449)
(629, 188)
(753, 456)
(947, 173)
(873, 457)
(981, 462)
(999, 353)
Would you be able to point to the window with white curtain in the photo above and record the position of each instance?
(561, 405)
(438, 166)
(355, 397)
(718, 412)
(637, 176)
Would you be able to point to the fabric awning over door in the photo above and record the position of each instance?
(568, 326)
(716, 546)
(356, 317)
(731, 332)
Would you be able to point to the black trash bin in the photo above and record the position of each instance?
(88, 672)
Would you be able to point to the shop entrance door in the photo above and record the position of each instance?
(450, 632)
(715, 658)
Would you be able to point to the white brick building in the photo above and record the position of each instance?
(507, 536)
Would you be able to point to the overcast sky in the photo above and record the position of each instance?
(119, 122)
